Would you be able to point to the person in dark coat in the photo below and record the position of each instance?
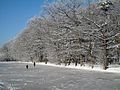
(27, 66)
(34, 64)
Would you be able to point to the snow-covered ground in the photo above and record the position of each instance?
(14, 76)
(112, 68)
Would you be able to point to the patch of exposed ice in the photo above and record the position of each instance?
(25, 84)
(12, 87)
(16, 79)
(29, 81)
(1, 84)
(55, 88)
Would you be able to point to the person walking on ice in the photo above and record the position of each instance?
(27, 66)
(34, 64)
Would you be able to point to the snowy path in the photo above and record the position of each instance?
(14, 76)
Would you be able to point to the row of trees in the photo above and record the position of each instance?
(68, 32)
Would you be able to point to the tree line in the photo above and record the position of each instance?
(70, 31)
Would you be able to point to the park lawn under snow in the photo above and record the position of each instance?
(14, 76)
(112, 68)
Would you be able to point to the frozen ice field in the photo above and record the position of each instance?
(14, 76)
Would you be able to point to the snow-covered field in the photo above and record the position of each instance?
(112, 68)
(14, 76)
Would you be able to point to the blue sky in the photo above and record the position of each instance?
(14, 15)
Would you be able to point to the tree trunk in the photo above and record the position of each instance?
(105, 60)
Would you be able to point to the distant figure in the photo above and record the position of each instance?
(34, 64)
(27, 66)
